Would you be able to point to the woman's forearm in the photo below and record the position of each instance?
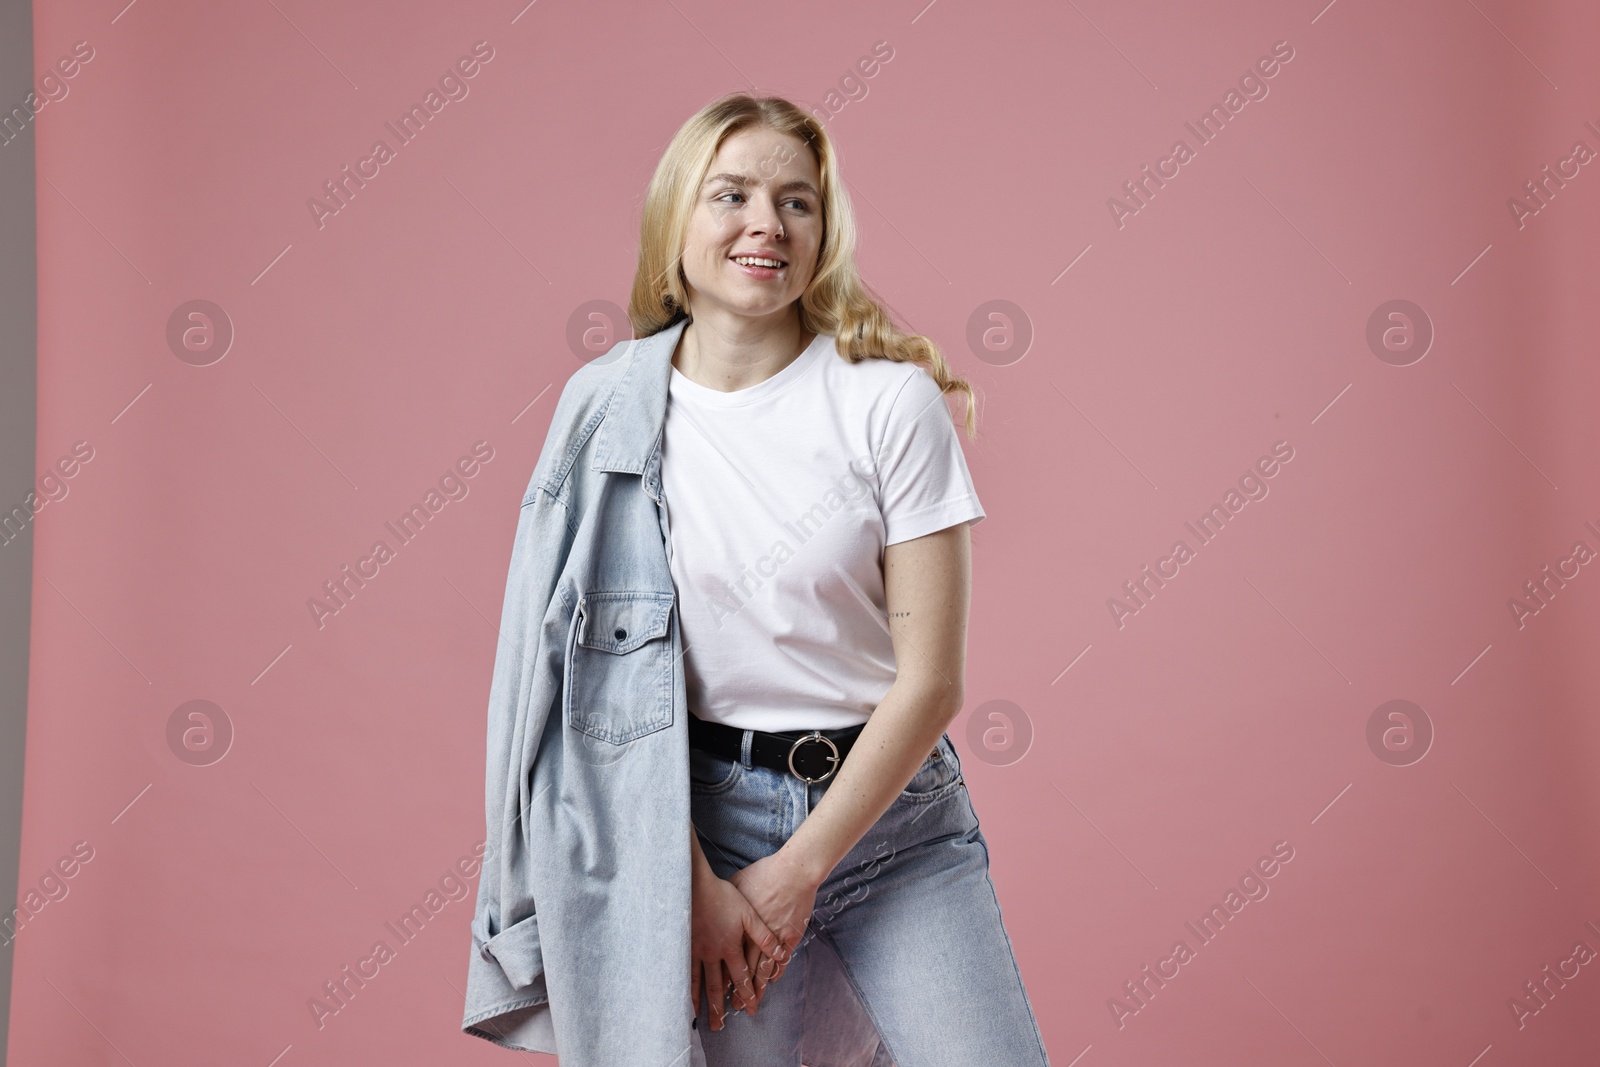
(896, 739)
(927, 589)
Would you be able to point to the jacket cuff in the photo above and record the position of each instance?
(515, 949)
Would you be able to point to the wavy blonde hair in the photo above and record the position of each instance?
(835, 302)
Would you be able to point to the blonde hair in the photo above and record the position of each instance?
(836, 301)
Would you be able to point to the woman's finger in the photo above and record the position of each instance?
(787, 944)
(757, 931)
(759, 940)
(716, 993)
(744, 993)
(761, 969)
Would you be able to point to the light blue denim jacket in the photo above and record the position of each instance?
(580, 937)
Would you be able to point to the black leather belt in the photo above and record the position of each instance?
(811, 756)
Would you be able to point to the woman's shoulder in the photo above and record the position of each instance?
(880, 374)
(901, 388)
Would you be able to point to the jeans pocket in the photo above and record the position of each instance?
(619, 676)
(937, 776)
(710, 773)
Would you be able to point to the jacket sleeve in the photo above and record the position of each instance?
(529, 659)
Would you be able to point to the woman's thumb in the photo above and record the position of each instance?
(759, 932)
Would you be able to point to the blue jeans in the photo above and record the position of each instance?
(910, 915)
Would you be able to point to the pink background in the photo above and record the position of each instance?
(1228, 314)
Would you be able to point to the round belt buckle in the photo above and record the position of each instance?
(833, 758)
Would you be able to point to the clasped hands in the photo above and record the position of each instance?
(745, 930)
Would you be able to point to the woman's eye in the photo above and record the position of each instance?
(797, 202)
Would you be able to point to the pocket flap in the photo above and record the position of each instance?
(621, 622)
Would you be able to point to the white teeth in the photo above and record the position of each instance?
(752, 261)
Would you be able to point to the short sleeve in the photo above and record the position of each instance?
(923, 479)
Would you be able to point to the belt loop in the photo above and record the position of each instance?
(745, 739)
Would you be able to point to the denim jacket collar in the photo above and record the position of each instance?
(627, 438)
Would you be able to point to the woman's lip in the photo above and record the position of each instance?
(762, 273)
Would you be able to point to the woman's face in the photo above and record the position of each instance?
(762, 196)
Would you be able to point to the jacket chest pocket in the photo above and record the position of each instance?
(619, 683)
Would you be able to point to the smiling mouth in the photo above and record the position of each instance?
(759, 261)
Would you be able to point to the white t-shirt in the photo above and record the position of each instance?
(780, 499)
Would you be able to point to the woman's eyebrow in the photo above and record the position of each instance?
(744, 182)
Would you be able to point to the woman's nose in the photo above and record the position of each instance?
(766, 221)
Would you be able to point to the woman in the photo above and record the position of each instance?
(817, 505)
